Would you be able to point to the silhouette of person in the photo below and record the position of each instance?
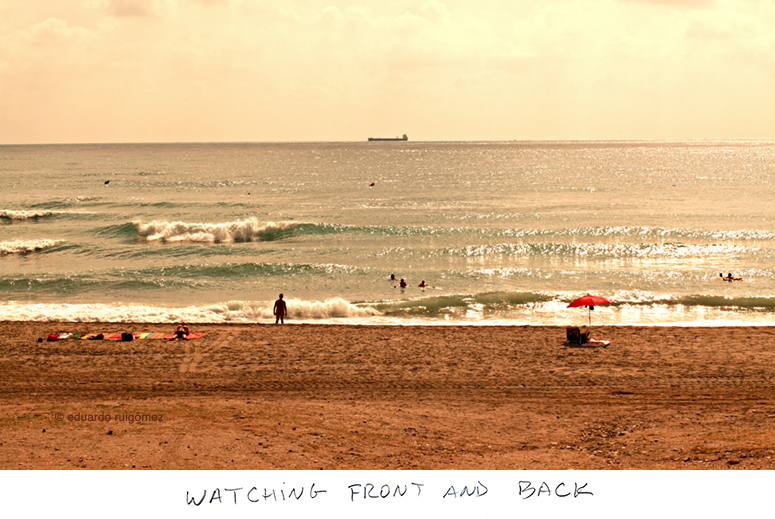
(280, 310)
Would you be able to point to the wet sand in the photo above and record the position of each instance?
(379, 397)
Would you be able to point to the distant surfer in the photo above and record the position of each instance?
(280, 310)
(730, 277)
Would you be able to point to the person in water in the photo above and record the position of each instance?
(422, 284)
(402, 284)
(181, 332)
(392, 277)
(280, 310)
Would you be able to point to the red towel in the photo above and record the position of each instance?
(191, 336)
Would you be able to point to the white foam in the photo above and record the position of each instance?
(26, 215)
(327, 309)
(24, 247)
(239, 231)
(337, 311)
(232, 311)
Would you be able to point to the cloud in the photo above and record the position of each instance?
(675, 3)
(212, 3)
(54, 31)
(123, 8)
(434, 10)
(295, 69)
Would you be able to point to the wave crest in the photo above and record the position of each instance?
(307, 310)
(239, 231)
(233, 311)
(26, 247)
(26, 215)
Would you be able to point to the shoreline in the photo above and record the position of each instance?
(309, 396)
(438, 312)
(430, 324)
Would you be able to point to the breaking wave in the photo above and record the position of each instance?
(22, 215)
(239, 231)
(487, 308)
(436, 306)
(26, 247)
(306, 310)
(233, 311)
(617, 241)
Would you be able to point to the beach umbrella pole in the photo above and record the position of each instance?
(589, 301)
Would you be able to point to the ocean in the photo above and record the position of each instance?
(504, 233)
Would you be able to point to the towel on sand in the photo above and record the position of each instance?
(135, 336)
(191, 336)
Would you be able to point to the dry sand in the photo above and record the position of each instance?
(378, 397)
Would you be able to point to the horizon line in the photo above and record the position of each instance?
(365, 141)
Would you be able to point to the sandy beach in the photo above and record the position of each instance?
(250, 396)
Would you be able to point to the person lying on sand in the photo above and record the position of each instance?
(181, 332)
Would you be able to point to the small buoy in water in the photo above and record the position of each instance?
(372, 184)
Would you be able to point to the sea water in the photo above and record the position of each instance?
(503, 232)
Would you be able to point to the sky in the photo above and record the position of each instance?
(82, 71)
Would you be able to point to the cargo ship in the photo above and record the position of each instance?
(404, 138)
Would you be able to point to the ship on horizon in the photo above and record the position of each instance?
(404, 138)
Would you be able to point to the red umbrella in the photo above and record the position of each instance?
(590, 301)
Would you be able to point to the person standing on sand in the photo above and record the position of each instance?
(280, 310)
